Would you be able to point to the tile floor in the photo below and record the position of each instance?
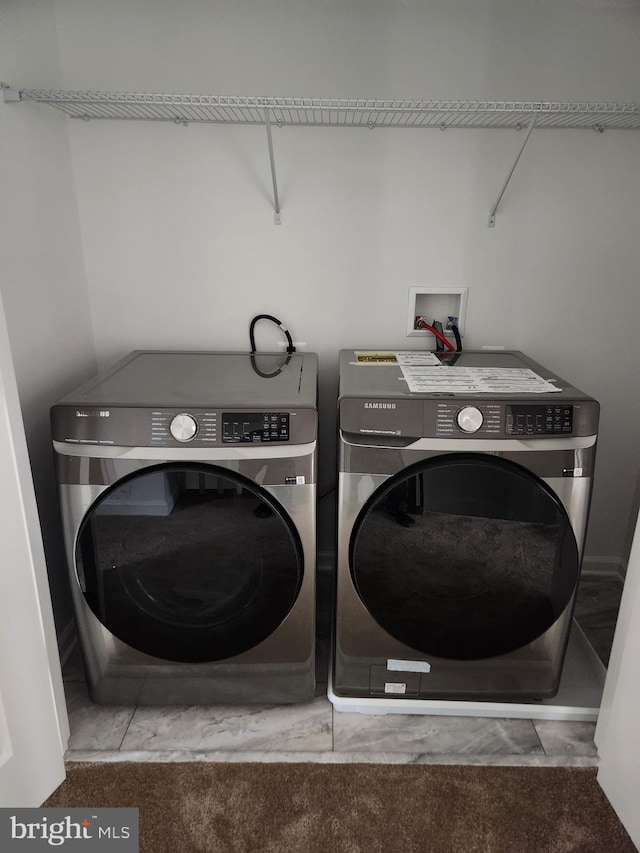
(313, 731)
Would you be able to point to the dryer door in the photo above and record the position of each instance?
(189, 563)
(464, 556)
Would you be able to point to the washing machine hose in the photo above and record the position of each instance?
(252, 341)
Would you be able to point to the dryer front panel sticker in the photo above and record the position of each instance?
(395, 687)
(395, 665)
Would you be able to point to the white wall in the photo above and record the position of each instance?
(41, 266)
(177, 223)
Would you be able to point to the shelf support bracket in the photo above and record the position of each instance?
(9, 95)
(492, 216)
(277, 218)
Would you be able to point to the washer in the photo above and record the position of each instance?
(464, 490)
(187, 484)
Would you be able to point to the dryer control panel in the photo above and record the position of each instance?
(539, 420)
(474, 418)
(254, 427)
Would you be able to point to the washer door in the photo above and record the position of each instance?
(464, 557)
(189, 563)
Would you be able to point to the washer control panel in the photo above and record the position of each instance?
(469, 419)
(126, 426)
(183, 427)
(254, 427)
(539, 420)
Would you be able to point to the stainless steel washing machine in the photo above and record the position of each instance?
(464, 490)
(187, 484)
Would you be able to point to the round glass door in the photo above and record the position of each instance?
(464, 557)
(189, 563)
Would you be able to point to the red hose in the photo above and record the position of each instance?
(424, 325)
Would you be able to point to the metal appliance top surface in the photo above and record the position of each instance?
(371, 381)
(191, 379)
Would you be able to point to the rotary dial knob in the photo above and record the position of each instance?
(183, 427)
(469, 419)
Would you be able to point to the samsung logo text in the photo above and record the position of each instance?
(379, 405)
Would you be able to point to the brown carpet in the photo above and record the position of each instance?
(348, 808)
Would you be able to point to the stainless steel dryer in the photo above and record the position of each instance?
(464, 490)
(187, 484)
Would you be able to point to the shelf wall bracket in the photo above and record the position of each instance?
(492, 216)
(9, 95)
(277, 218)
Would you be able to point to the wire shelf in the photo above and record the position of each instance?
(184, 109)
(334, 112)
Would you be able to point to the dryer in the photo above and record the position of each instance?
(187, 484)
(464, 489)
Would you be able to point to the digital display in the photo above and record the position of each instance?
(537, 420)
(254, 427)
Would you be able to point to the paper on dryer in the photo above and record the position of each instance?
(418, 359)
(475, 380)
(425, 373)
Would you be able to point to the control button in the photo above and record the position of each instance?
(183, 427)
(469, 419)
